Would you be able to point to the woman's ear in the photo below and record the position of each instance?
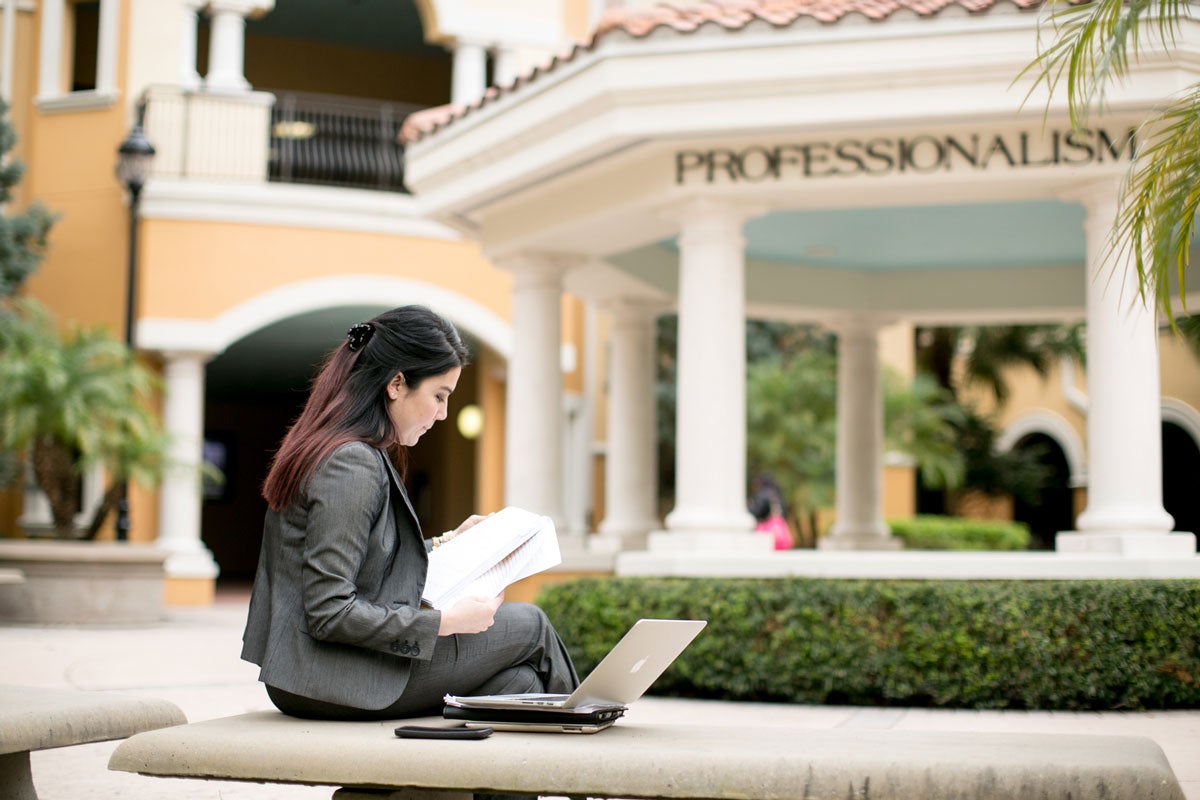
(395, 386)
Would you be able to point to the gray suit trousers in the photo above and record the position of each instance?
(521, 652)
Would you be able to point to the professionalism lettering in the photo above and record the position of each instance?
(918, 154)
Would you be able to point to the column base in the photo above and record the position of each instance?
(193, 562)
(860, 541)
(709, 542)
(613, 541)
(1132, 544)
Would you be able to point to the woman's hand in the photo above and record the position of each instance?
(469, 522)
(470, 615)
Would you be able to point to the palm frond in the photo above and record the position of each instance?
(1156, 222)
(1089, 46)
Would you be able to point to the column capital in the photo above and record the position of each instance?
(1094, 195)
(530, 268)
(203, 356)
(625, 308)
(707, 209)
(858, 324)
(251, 9)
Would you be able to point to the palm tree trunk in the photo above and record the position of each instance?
(54, 471)
(112, 495)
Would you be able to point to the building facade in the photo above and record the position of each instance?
(581, 173)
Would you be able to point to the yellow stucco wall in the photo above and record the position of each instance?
(71, 157)
(20, 103)
(1180, 369)
(197, 270)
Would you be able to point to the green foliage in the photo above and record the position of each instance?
(22, 236)
(932, 532)
(1021, 473)
(791, 425)
(988, 352)
(921, 420)
(1089, 46)
(74, 400)
(1054, 645)
(791, 430)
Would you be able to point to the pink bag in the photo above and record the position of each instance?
(777, 526)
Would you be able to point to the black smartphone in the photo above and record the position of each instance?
(433, 732)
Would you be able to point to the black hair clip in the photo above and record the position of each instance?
(359, 335)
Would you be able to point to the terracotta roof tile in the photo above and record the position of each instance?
(687, 18)
(736, 14)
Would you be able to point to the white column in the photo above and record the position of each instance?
(106, 46)
(504, 66)
(859, 474)
(50, 78)
(533, 447)
(631, 460)
(189, 78)
(179, 497)
(468, 80)
(1124, 513)
(710, 450)
(227, 43)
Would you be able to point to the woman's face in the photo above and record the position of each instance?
(413, 411)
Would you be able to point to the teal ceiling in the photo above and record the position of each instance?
(1011, 234)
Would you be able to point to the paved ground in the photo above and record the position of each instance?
(192, 660)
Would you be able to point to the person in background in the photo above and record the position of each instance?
(335, 621)
(768, 508)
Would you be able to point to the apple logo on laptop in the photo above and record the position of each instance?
(637, 665)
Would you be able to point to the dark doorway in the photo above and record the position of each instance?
(1181, 477)
(1052, 510)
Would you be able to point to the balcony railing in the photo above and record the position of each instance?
(337, 141)
(289, 137)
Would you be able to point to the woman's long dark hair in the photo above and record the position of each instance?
(348, 400)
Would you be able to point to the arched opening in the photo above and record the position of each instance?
(1052, 510)
(254, 390)
(1181, 476)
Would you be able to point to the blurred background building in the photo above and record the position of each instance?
(576, 170)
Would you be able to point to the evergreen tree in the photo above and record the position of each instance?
(22, 236)
(22, 247)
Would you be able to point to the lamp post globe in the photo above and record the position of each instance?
(134, 158)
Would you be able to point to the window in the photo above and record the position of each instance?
(78, 54)
(83, 34)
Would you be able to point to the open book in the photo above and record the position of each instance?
(481, 561)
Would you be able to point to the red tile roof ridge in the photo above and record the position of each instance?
(688, 17)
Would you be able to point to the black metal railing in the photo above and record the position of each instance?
(337, 141)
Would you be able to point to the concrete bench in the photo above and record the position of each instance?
(655, 761)
(39, 719)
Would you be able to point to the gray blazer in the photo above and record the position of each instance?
(335, 612)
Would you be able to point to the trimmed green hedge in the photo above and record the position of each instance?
(956, 644)
(930, 532)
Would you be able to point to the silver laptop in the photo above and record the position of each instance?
(624, 675)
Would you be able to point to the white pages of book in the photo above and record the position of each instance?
(481, 561)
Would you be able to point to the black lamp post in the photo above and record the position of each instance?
(134, 157)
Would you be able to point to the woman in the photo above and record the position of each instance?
(335, 619)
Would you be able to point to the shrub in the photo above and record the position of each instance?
(982, 644)
(931, 532)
